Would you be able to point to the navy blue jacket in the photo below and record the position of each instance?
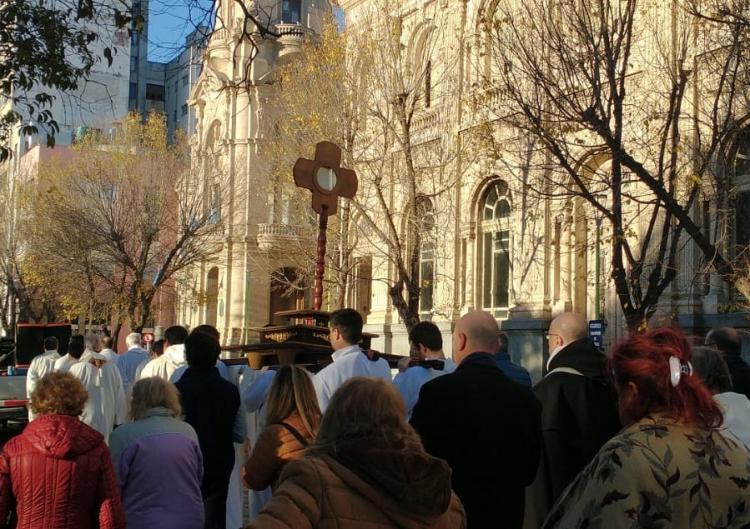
(513, 371)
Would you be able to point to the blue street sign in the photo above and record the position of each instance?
(596, 332)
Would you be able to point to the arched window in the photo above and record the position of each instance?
(289, 291)
(214, 204)
(212, 174)
(494, 224)
(426, 255)
(741, 184)
(212, 296)
(742, 154)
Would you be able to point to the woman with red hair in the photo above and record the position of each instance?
(670, 466)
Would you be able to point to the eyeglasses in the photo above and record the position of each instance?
(547, 335)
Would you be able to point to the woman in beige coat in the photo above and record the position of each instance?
(366, 470)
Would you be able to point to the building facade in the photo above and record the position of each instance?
(487, 241)
(165, 87)
(235, 108)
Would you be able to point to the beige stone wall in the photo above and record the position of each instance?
(552, 240)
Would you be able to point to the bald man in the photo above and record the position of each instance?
(579, 412)
(484, 425)
(727, 340)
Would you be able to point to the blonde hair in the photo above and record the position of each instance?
(292, 389)
(366, 408)
(152, 392)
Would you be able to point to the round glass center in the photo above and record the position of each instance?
(326, 178)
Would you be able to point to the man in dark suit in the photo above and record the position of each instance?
(211, 405)
(727, 340)
(484, 425)
(579, 412)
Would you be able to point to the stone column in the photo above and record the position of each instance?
(470, 267)
(567, 261)
(529, 316)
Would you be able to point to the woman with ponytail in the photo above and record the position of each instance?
(293, 417)
(670, 466)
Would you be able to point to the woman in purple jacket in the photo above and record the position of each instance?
(158, 461)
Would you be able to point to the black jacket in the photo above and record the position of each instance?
(487, 428)
(739, 371)
(210, 404)
(579, 415)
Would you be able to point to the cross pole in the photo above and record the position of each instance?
(327, 181)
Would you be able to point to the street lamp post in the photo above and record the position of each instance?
(598, 302)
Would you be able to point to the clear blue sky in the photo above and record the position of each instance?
(170, 21)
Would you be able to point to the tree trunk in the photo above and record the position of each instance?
(345, 252)
(4, 320)
(13, 320)
(132, 316)
(408, 316)
(146, 306)
(116, 334)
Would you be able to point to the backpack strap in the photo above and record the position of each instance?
(292, 430)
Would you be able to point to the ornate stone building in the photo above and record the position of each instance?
(235, 104)
(486, 242)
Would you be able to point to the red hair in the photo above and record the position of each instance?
(643, 359)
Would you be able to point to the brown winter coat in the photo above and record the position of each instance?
(377, 489)
(276, 446)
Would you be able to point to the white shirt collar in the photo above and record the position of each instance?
(337, 355)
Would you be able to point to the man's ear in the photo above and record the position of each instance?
(422, 350)
(462, 339)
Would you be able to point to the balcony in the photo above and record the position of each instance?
(282, 236)
(291, 37)
(425, 126)
(489, 99)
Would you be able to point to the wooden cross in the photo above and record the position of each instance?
(328, 181)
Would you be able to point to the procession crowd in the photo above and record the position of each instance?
(653, 434)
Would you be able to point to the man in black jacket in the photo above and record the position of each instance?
(211, 405)
(579, 412)
(484, 425)
(727, 340)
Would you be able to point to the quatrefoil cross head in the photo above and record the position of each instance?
(325, 177)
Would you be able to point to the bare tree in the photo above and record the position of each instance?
(125, 216)
(644, 86)
(373, 91)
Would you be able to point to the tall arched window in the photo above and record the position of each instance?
(212, 296)
(426, 255)
(741, 185)
(494, 223)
